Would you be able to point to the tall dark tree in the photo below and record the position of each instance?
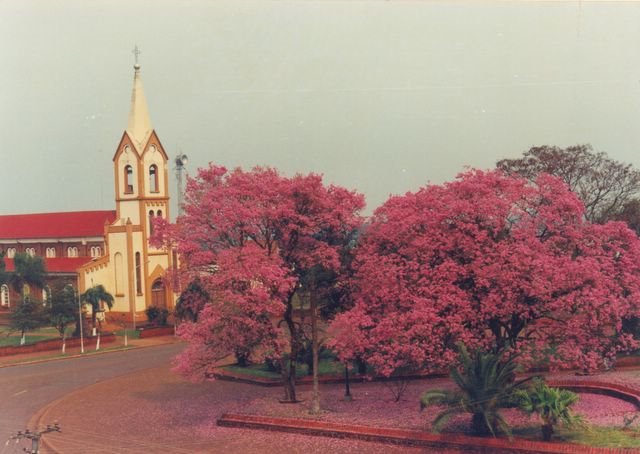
(28, 271)
(631, 214)
(28, 315)
(191, 301)
(603, 184)
(62, 309)
(4, 277)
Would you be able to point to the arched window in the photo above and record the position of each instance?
(72, 251)
(153, 178)
(30, 251)
(128, 175)
(138, 275)
(150, 222)
(50, 252)
(4, 296)
(159, 213)
(96, 251)
(11, 252)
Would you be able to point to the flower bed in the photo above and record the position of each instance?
(373, 406)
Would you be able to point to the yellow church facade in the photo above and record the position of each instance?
(121, 258)
(136, 273)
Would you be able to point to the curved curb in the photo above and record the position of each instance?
(409, 437)
(39, 418)
(86, 355)
(622, 392)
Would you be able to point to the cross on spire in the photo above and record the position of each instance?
(136, 52)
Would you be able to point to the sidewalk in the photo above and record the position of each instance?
(89, 349)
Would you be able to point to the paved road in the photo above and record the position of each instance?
(130, 403)
(26, 389)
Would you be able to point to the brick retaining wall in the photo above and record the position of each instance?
(156, 331)
(55, 344)
(408, 437)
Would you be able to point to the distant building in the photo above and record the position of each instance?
(111, 248)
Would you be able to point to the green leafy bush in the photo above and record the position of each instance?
(157, 316)
(486, 383)
(552, 406)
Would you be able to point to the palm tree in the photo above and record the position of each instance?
(28, 271)
(552, 406)
(94, 296)
(485, 385)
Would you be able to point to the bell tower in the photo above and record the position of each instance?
(136, 270)
(140, 166)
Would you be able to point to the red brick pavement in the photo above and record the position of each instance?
(157, 411)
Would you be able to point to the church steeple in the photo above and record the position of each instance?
(139, 125)
(141, 165)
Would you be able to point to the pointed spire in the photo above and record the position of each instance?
(139, 125)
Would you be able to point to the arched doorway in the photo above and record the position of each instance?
(158, 294)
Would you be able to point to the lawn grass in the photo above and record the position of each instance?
(601, 437)
(131, 333)
(325, 367)
(11, 338)
(14, 341)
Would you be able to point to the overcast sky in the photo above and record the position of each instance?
(379, 96)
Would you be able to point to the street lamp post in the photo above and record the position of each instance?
(80, 317)
(181, 162)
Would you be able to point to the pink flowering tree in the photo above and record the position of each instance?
(494, 262)
(253, 241)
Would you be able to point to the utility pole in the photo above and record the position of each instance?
(80, 320)
(180, 161)
(34, 437)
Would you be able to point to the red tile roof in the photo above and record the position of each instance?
(55, 225)
(56, 264)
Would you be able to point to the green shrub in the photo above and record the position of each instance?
(552, 405)
(157, 316)
(485, 384)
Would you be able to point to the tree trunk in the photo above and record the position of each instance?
(479, 425)
(242, 357)
(289, 370)
(315, 403)
(23, 339)
(547, 432)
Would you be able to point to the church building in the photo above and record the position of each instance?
(111, 248)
